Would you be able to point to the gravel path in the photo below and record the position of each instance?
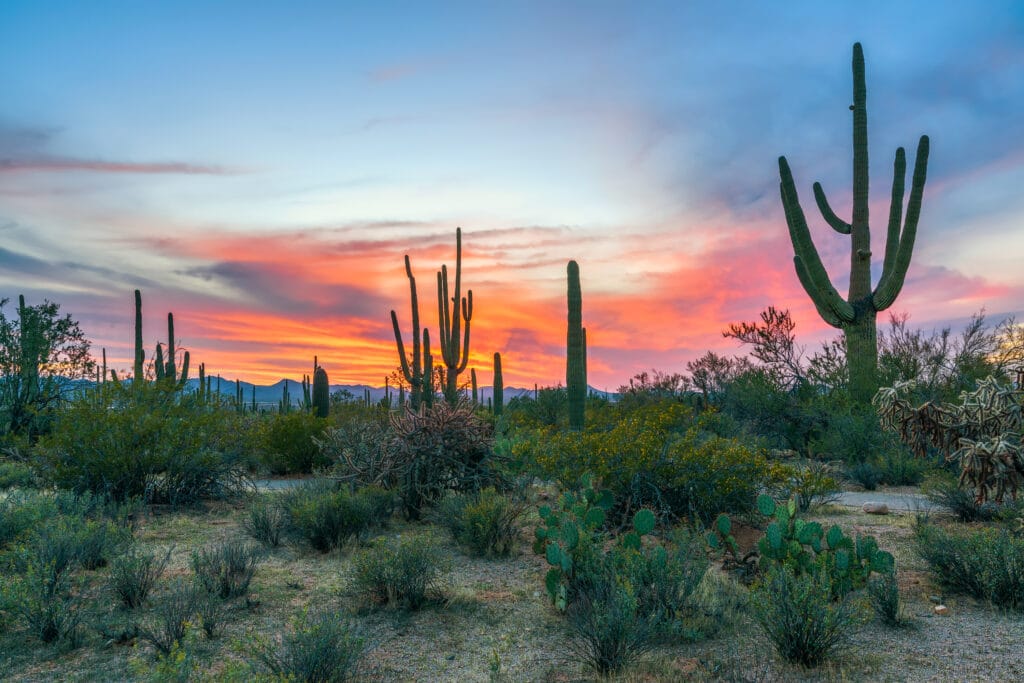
(906, 502)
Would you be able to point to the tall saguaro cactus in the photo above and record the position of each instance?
(454, 352)
(321, 393)
(498, 387)
(856, 315)
(138, 369)
(576, 351)
(412, 371)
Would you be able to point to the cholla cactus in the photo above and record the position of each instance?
(982, 433)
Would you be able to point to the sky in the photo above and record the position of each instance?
(261, 169)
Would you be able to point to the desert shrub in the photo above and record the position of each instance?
(884, 592)
(16, 475)
(21, 512)
(226, 569)
(326, 515)
(867, 474)
(266, 521)
(286, 442)
(608, 630)
(900, 468)
(381, 502)
(854, 436)
(813, 484)
(944, 490)
(987, 564)
(95, 540)
(210, 610)
(134, 574)
(318, 648)
(485, 522)
(171, 617)
(658, 457)
(800, 617)
(439, 449)
(399, 572)
(144, 441)
(44, 597)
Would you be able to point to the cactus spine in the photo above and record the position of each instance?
(321, 393)
(499, 386)
(454, 352)
(856, 315)
(576, 351)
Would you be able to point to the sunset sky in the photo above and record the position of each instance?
(260, 168)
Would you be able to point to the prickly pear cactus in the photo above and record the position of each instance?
(573, 534)
(806, 548)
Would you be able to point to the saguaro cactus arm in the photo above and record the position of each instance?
(413, 372)
(837, 223)
(814, 277)
(897, 257)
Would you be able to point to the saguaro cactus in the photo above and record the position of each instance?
(165, 367)
(454, 351)
(321, 393)
(576, 351)
(856, 315)
(498, 388)
(413, 372)
(140, 353)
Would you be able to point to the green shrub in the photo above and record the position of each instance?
(320, 648)
(665, 580)
(884, 592)
(325, 515)
(854, 437)
(800, 617)
(381, 501)
(142, 441)
(944, 490)
(987, 564)
(45, 599)
(98, 540)
(812, 484)
(226, 569)
(134, 574)
(399, 573)
(267, 522)
(657, 457)
(21, 512)
(485, 522)
(867, 474)
(900, 468)
(16, 475)
(609, 631)
(286, 443)
(170, 619)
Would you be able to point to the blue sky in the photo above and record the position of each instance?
(261, 168)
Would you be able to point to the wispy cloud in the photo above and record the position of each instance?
(64, 164)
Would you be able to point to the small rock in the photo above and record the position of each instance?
(936, 599)
(942, 610)
(875, 508)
